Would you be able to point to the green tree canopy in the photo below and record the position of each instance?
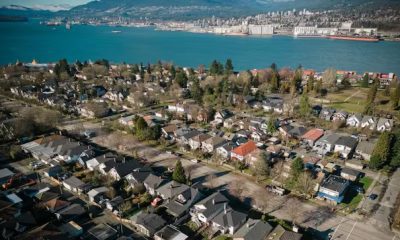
(305, 107)
(228, 67)
(179, 173)
(380, 154)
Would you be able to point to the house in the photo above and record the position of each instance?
(273, 104)
(137, 177)
(170, 232)
(355, 164)
(171, 189)
(55, 204)
(326, 143)
(184, 139)
(345, 146)
(228, 221)
(327, 114)
(253, 230)
(333, 189)
(225, 150)
(168, 132)
(212, 144)
(72, 229)
(97, 194)
(289, 131)
(369, 122)
(243, 150)
(312, 136)
(206, 209)
(127, 121)
(354, 120)
(120, 170)
(364, 150)
(53, 171)
(258, 136)
(152, 182)
(102, 231)
(384, 124)
(149, 223)
(5, 175)
(94, 163)
(71, 212)
(350, 174)
(196, 142)
(114, 203)
(73, 184)
(279, 233)
(181, 203)
(222, 115)
(340, 116)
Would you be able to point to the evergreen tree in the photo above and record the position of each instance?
(297, 167)
(395, 96)
(196, 91)
(228, 67)
(380, 154)
(181, 79)
(271, 127)
(179, 173)
(274, 68)
(214, 68)
(274, 82)
(140, 124)
(369, 107)
(173, 72)
(305, 107)
(318, 87)
(261, 166)
(310, 83)
(365, 81)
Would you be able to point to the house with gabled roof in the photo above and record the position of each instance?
(312, 136)
(197, 141)
(384, 124)
(211, 144)
(229, 220)
(369, 122)
(225, 150)
(326, 143)
(242, 151)
(345, 146)
(181, 203)
(206, 209)
(152, 183)
(253, 229)
(333, 189)
(354, 120)
(364, 150)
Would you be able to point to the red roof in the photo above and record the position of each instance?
(314, 134)
(245, 149)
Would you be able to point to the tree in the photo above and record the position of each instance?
(310, 83)
(395, 96)
(172, 71)
(365, 81)
(329, 77)
(380, 154)
(274, 86)
(271, 127)
(140, 124)
(125, 207)
(181, 79)
(196, 91)
(305, 184)
(179, 173)
(297, 167)
(228, 67)
(261, 166)
(305, 107)
(369, 107)
(216, 68)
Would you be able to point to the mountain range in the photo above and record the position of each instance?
(190, 9)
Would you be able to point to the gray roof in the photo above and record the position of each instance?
(213, 203)
(150, 221)
(329, 138)
(335, 183)
(191, 134)
(95, 191)
(366, 147)
(177, 208)
(385, 121)
(72, 210)
(229, 218)
(172, 189)
(153, 181)
(5, 172)
(254, 230)
(170, 232)
(74, 182)
(102, 232)
(347, 141)
(351, 172)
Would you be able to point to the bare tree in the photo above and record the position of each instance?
(236, 188)
(211, 180)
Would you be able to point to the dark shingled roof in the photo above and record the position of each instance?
(254, 230)
(335, 183)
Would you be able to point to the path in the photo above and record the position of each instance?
(352, 95)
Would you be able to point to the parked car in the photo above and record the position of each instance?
(372, 196)
(195, 160)
(277, 190)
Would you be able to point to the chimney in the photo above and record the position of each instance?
(225, 210)
(115, 160)
(123, 161)
(213, 201)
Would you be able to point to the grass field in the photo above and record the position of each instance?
(366, 182)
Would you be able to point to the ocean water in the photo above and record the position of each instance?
(30, 40)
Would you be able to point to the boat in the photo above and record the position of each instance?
(354, 38)
(68, 26)
(115, 31)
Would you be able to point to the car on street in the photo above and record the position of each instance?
(372, 196)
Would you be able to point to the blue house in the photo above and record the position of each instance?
(333, 189)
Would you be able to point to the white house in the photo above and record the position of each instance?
(354, 120)
(384, 124)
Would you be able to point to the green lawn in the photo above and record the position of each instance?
(366, 182)
(353, 204)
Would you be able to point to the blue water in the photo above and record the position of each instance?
(30, 40)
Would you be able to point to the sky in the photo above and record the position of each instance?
(32, 3)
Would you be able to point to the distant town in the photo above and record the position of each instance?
(96, 150)
(334, 24)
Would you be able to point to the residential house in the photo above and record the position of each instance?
(369, 122)
(94, 163)
(74, 184)
(326, 143)
(225, 150)
(197, 141)
(228, 221)
(179, 205)
(327, 114)
(289, 131)
(243, 150)
(114, 203)
(258, 136)
(312, 136)
(333, 189)
(168, 132)
(102, 231)
(149, 223)
(279, 233)
(5, 175)
(55, 204)
(273, 104)
(211, 144)
(120, 170)
(354, 120)
(127, 120)
(137, 177)
(53, 171)
(206, 209)
(71, 212)
(350, 174)
(184, 139)
(97, 194)
(340, 116)
(345, 146)
(153, 182)
(364, 150)
(253, 230)
(171, 189)
(170, 232)
(222, 115)
(384, 124)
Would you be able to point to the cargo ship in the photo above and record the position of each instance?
(355, 38)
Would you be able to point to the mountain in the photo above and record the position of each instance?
(17, 10)
(191, 9)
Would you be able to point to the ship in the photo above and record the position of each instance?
(354, 38)
(68, 26)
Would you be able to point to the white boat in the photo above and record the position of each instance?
(115, 31)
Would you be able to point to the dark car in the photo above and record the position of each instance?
(373, 196)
